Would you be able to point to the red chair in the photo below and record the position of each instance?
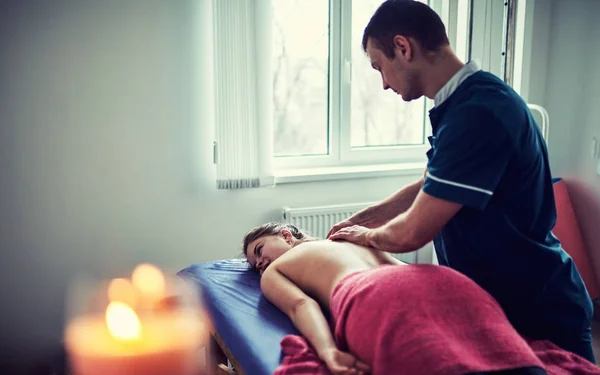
(569, 232)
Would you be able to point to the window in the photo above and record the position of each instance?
(300, 77)
(329, 105)
(330, 109)
(377, 117)
(325, 106)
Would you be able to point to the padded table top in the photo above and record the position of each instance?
(248, 324)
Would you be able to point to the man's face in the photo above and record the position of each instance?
(398, 74)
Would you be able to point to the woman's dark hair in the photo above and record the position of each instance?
(409, 18)
(272, 229)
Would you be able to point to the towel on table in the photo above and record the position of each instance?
(425, 319)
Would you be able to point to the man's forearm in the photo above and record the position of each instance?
(394, 237)
(414, 228)
(392, 206)
(310, 321)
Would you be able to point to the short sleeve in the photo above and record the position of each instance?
(470, 154)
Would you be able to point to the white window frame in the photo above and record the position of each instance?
(366, 155)
(341, 155)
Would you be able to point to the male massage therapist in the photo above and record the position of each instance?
(486, 199)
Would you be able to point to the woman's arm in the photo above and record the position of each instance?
(304, 311)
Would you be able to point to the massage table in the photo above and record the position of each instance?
(245, 328)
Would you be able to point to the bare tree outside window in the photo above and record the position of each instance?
(378, 117)
(301, 84)
(300, 77)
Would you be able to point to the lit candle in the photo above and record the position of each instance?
(123, 341)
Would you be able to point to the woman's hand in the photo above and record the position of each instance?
(341, 363)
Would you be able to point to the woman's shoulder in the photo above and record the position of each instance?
(304, 251)
(313, 244)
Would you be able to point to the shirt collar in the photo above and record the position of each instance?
(466, 71)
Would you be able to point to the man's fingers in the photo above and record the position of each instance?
(339, 226)
(338, 235)
(336, 228)
(332, 231)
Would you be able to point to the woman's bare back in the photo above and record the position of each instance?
(316, 267)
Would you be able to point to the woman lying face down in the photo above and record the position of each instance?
(385, 315)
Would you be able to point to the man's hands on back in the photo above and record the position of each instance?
(355, 233)
(378, 215)
(353, 221)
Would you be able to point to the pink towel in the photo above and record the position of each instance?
(558, 361)
(300, 358)
(425, 319)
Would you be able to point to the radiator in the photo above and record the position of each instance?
(317, 221)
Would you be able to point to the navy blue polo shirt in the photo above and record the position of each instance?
(488, 154)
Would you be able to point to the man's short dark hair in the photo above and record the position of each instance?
(409, 18)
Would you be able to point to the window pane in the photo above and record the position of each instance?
(378, 117)
(300, 76)
(487, 44)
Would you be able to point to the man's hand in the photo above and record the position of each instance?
(381, 213)
(354, 221)
(340, 225)
(341, 363)
(355, 233)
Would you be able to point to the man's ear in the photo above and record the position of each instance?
(403, 47)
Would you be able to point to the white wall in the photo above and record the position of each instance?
(563, 77)
(568, 72)
(105, 156)
(572, 97)
(589, 92)
(105, 146)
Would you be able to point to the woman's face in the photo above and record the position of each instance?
(264, 250)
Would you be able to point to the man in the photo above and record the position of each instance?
(486, 199)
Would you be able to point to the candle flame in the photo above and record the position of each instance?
(149, 280)
(121, 290)
(123, 323)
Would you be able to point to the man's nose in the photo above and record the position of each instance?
(385, 85)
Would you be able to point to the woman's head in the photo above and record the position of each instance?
(264, 244)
